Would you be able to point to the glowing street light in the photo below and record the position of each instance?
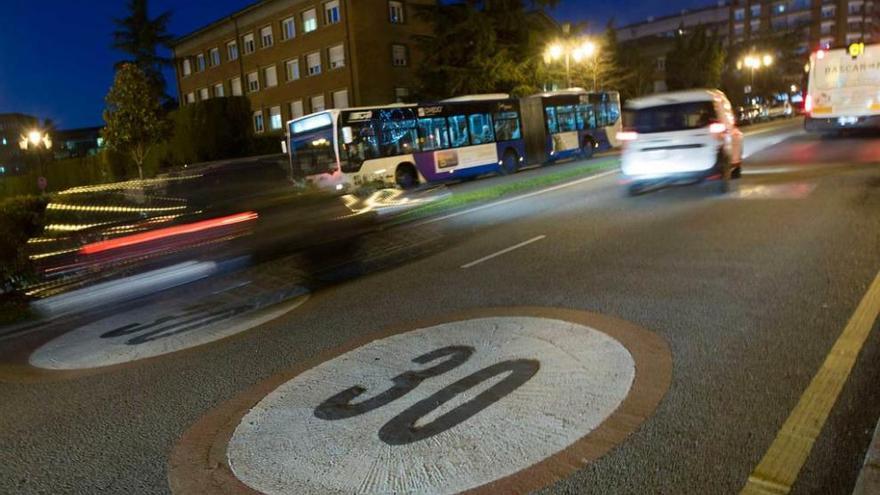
(753, 62)
(577, 50)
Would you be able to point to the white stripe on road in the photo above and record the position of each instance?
(503, 251)
(517, 198)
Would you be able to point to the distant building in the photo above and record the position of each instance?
(13, 129)
(715, 18)
(293, 57)
(76, 143)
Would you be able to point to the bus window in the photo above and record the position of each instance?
(507, 126)
(551, 120)
(566, 119)
(364, 146)
(481, 128)
(433, 134)
(585, 117)
(399, 137)
(613, 112)
(458, 131)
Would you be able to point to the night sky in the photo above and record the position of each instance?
(56, 61)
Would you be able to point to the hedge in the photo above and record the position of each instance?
(21, 217)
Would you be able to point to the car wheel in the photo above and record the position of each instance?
(509, 163)
(406, 176)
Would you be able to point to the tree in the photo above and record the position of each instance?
(787, 67)
(134, 116)
(632, 73)
(696, 60)
(141, 37)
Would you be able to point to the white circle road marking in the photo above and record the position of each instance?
(536, 386)
(146, 332)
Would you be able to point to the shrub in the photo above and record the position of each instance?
(21, 217)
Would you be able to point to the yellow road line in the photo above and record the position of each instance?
(777, 471)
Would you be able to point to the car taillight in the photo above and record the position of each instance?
(717, 128)
(627, 135)
(808, 103)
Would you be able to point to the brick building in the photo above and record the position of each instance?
(294, 57)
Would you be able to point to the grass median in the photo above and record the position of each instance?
(491, 192)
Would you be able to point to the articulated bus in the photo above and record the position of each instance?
(458, 138)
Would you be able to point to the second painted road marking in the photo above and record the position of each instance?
(503, 251)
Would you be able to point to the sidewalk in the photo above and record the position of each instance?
(869, 478)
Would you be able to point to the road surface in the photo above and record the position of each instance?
(584, 342)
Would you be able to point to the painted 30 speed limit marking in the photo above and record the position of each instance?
(495, 400)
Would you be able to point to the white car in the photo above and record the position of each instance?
(684, 136)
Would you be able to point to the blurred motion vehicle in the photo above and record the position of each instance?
(749, 114)
(455, 139)
(217, 212)
(682, 136)
(779, 110)
(842, 91)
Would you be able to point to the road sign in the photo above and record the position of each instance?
(160, 328)
(499, 402)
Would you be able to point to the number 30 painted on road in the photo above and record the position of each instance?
(401, 429)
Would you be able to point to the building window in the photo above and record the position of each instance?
(754, 26)
(755, 10)
(739, 14)
(310, 20)
(340, 98)
(235, 86)
(296, 109)
(318, 103)
(401, 94)
(270, 76)
(232, 51)
(738, 30)
(288, 28)
(214, 57)
(828, 11)
(200, 62)
(266, 37)
(313, 63)
(258, 122)
(249, 45)
(399, 56)
(661, 63)
(187, 67)
(253, 81)
(203, 94)
(190, 97)
(336, 55)
(395, 12)
(275, 118)
(779, 8)
(331, 12)
(291, 69)
(218, 90)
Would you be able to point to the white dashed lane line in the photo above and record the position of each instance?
(504, 251)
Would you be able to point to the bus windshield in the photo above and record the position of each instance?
(312, 152)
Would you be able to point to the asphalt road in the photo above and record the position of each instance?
(748, 289)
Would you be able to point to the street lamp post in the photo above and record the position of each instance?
(577, 50)
(35, 140)
(753, 62)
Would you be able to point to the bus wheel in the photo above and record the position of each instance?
(509, 163)
(587, 149)
(406, 176)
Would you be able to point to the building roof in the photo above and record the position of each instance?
(238, 13)
(722, 4)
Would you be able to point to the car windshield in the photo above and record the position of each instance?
(674, 117)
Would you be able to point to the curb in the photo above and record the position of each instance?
(868, 482)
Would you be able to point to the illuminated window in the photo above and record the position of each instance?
(203, 94)
(249, 44)
(331, 12)
(187, 67)
(235, 86)
(313, 63)
(395, 12)
(336, 55)
(270, 76)
(258, 122)
(755, 10)
(318, 103)
(275, 118)
(310, 21)
(253, 81)
(190, 97)
(296, 109)
(218, 90)
(739, 14)
(340, 99)
(288, 28)
(291, 69)
(266, 37)
(232, 50)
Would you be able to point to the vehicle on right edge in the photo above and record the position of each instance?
(843, 91)
(680, 137)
